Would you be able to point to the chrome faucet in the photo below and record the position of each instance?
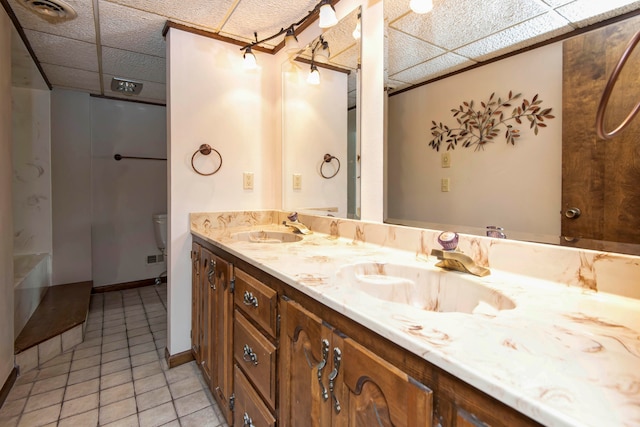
(453, 259)
(295, 224)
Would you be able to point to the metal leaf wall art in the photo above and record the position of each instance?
(477, 127)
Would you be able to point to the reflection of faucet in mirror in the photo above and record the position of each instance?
(498, 232)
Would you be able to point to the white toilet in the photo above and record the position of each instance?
(160, 232)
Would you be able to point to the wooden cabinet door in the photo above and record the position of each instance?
(222, 335)
(207, 298)
(195, 301)
(305, 343)
(370, 392)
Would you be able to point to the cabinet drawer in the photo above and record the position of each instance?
(249, 408)
(257, 301)
(256, 356)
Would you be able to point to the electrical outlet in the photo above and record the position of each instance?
(297, 181)
(445, 159)
(444, 185)
(247, 180)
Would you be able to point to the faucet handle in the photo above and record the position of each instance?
(448, 240)
(293, 216)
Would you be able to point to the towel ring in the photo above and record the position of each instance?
(206, 149)
(327, 159)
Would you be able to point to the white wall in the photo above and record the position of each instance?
(6, 211)
(32, 170)
(314, 124)
(126, 193)
(212, 100)
(71, 186)
(515, 187)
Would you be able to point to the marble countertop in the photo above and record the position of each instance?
(563, 356)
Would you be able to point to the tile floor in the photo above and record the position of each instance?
(118, 376)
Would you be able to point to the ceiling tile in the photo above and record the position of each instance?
(151, 91)
(24, 72)
(346, 59)
(438, 66)
(266, 17)
(456, 23)
(557, 3)
(519, 36)
(81, 28)
(196, 13)
(587, 12)
(405, 51)
(394, 9)
(57, 50)
(132, 65)
(125, 28)
(72, 78)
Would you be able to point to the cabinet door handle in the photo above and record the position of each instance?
(196, 261)
(212, 270)
(249, 355)
(337, 357)
(247, 421)
(250, 300)
(321, 366)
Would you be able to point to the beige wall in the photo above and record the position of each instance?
(515, 187)
(6, 220)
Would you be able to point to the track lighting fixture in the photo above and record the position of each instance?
(327, 18)
(314, 75)
(421, 6)
(320, 51)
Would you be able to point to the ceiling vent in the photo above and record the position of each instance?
(51, 10)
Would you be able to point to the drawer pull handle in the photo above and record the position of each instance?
(249, 355)
(212, 270)
(321, 366)
(250, 300)
(337, 357)
(247, 421)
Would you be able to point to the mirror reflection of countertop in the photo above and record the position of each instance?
(562, 356)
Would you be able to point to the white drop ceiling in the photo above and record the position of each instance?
(123, 38)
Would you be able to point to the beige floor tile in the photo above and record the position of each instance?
(132, 326)
(113, 338)
(114, 394)
(90, 342)
(138, 331)
(142, 348)
(144, 358)
(117, 411)
(160, 334)
(86, 352)
(161, 343)
(84, 375)
(116, 378)
(12, 408)
(20, 391)
(87, 362)
(185, 387)
(44, 400)
(203, 418)
(115, 329)
(191, 403)
(130, 421)
(40, 417)
(79, 405)
(49, 384)
(146, 370)
(29, 377)
(53, 371)
(115, 366)
(62, 358)
(153, 398)
(181, 372)
(87, 419)
(150, 383)
(140, 339)
(9, 422)
(115, 345)
(136, 316)
(113, 321)
(115, 355)
(157, 416)
(93, 334)
(82, 389)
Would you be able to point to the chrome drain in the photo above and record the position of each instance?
(52, 9)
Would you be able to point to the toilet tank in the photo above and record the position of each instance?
(160, 229)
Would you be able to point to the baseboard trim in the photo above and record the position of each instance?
(123, 286)
(178, 359)
(8, 385)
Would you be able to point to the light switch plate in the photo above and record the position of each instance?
(297, 181)
(446, 159)
(444, 185)
(247, 180)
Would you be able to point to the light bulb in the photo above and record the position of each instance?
(314, 76)
(249, 62)
(421, 6)
(357, 31)
(328, 16)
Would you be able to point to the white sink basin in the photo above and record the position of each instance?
(267, 237)
(426, 289)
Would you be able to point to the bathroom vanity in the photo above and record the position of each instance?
(355, 325)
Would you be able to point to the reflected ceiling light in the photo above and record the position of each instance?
(328, 16)
(421, 6)
(314, 75)
(327, 19)
(357, 32)
(249, 61)
(321, 51)
(127, 87)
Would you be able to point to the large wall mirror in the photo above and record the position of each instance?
(517, 187)
(320, 142)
